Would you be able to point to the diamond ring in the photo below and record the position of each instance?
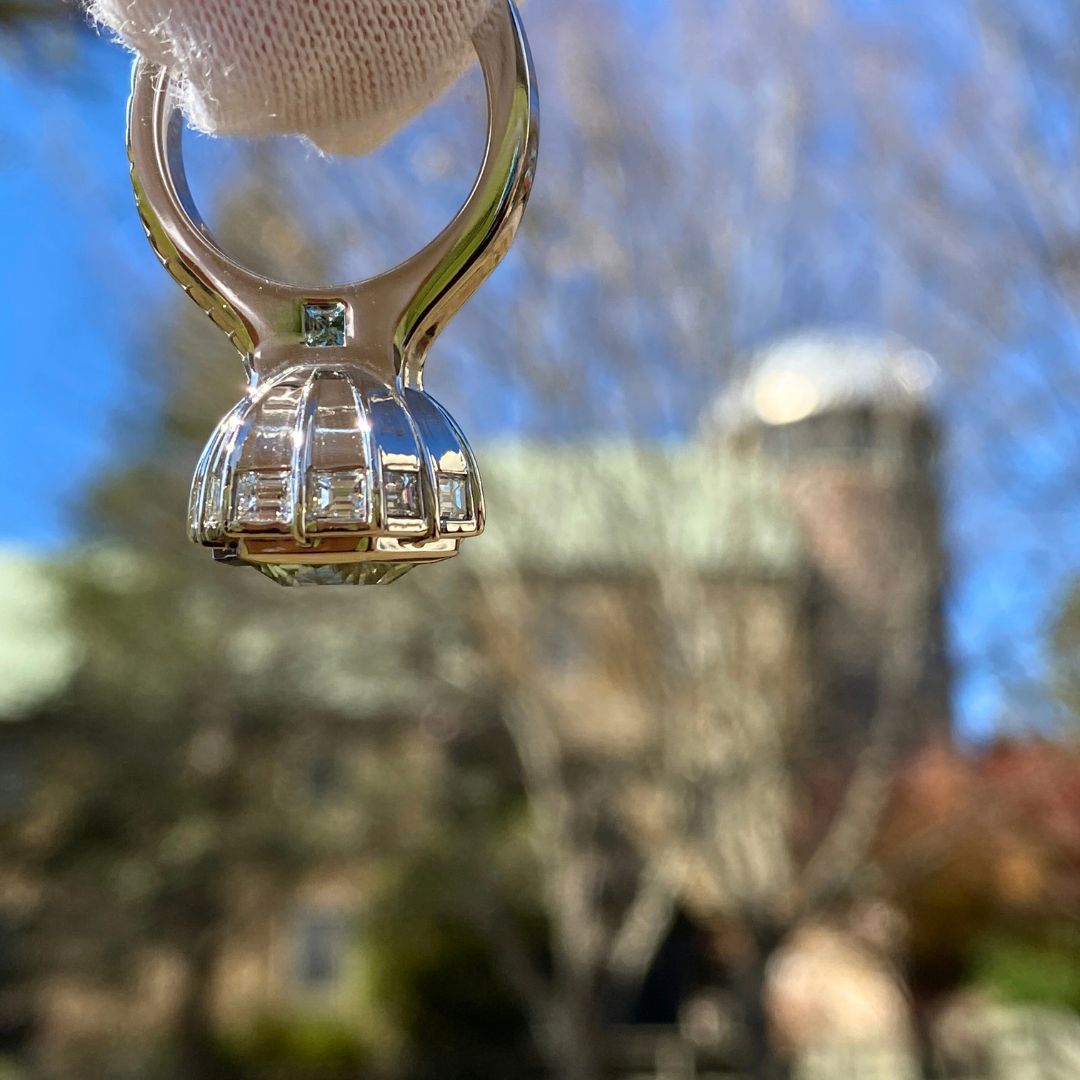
(337, 466)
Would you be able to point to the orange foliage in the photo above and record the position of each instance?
(982, 840)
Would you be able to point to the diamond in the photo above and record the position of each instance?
(262, 497)
(338, 496)
(453, 498)
(323, 323)
(402, 492)
(362, 573)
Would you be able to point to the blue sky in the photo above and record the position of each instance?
(73, 277)
(77, 278)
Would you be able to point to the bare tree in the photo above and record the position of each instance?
(656, 696)
(654, 240)
(978, 205)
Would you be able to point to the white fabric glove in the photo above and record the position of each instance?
(345, 73)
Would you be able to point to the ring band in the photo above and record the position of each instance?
(404, 308)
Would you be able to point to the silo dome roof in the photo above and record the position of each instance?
(823, 370)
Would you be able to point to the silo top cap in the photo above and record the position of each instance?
(823, 371)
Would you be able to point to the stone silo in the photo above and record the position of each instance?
(849, 420)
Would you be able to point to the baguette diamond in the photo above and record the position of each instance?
(402, 491)
(453, 498)
(338, 496)
(262, 498)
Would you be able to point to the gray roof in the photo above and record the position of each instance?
(620, 507)
(822, 370)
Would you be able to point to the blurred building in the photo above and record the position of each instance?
(777, 583)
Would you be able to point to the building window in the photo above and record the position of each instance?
(325, 777)
(320, 945)
(15, 781)
(559, 636)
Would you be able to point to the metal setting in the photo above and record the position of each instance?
(337, 466)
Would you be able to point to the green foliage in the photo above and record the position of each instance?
(431, 967)
(1027, 970)
(301, 1048)
(457, 1018)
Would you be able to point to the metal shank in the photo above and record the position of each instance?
(394, 317)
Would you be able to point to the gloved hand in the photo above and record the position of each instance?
(345, 73)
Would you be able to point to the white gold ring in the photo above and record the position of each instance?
(337, 466)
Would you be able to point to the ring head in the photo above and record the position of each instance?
(327, 474)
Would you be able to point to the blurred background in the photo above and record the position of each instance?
(742, 745)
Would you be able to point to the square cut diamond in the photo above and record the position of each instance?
(323, 324)
(338, 496)
(262, 498)
(453, 498)
(402, 492)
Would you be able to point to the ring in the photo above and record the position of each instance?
(337, 466)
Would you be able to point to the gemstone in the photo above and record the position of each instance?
(338, 496)
(402, 493)
(453, 498)
(362, 573)
(262, 498)
(323, 324)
